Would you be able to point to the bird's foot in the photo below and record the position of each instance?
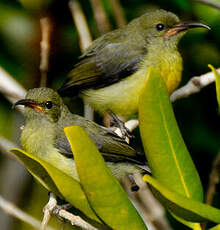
(126, 133)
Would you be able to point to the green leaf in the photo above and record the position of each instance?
(104, 192)
(165, 149)
(67, 186)
(217, 83)
(36, 170)
(182, 206)
(217, 227)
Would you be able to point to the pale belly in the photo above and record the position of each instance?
(122, 98)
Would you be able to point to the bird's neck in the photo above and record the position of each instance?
(168, 61)
(37, 135)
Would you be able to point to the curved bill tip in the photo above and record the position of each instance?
(197, 25)
(25, 102)
(189, 25)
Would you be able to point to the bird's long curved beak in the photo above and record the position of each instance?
(183, 26)
(30, 103)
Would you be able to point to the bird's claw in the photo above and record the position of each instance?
(126, 133)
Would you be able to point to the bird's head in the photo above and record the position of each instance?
(42, 103)
(161, 26)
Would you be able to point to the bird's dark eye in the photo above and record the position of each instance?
(49, 104)
(160, 27)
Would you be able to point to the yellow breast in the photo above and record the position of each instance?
(122, 97)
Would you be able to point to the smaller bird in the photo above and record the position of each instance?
(46, 116)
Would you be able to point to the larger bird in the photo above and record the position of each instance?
(112, 71)
(43, 135)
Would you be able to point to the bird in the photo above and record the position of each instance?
(46, 116)
(111, 72)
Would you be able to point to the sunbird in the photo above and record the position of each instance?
(113, 69)
(46, 116)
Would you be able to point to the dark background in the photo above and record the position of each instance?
(20, 55)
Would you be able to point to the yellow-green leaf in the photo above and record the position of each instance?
(67, 186)
(165, 149)
(36, 170)
(217, 83)
(184, 207)
(104, 192)
(217, 227)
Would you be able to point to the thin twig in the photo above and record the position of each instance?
(194, 85)
(100, 16)
(81, 24)
(49, 207)
(213, 180)
(75, 220)
(45, 24)
(151, 210)
(10, 88)
(85, 40)
(208, 3)
(118, 13)
(12, 210)
(5, 145)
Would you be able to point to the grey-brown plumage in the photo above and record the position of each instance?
(112, 71)
(43, 134)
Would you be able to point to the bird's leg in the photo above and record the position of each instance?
(120, 124)
(134, 186)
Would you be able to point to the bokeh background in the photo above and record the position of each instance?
(20, 36)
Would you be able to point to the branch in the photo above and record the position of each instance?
(12, 210)
(52, 207)
(213, 180)
(75, 220)
(85, 40)
(208, 3)
(118, 13)
(100, 16)
(81, 24)
(49, 207)
(45, 24)
(151, 210)
(194, 85)
(10, 88)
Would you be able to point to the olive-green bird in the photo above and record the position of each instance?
(43, 135)
(112, 71)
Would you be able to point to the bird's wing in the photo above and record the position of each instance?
(104, 63)
(112, 147)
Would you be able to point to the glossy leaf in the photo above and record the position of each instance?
(165, 149)
(36, 170)
(217, 83)
(187, 208)
(104, 192)
(217, 227)
(71, 190)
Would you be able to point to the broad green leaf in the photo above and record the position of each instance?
(104, 192)
(217, 83)
(165, 149)
(68, 187)
(182, 206)
(36, 170)
(217, 227)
